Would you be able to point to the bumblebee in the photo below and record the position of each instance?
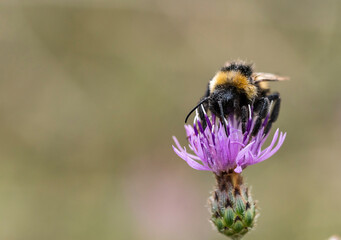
(236, 87)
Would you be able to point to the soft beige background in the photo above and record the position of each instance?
(91, 92)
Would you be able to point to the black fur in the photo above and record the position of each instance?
(232, 101)
(275, 110)
(222, 119)
(273, 96)
(244, 117)
(257, 125)
(268, 127)
(264, 108)
(244, 69)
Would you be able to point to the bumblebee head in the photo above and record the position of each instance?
(236, 74)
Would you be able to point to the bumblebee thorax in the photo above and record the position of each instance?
(235, 79)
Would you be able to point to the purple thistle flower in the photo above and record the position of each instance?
(220, 149)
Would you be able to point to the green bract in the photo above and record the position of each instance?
(232, 207)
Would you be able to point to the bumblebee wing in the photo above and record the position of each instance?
(267, 77)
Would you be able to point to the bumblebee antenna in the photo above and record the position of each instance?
(201, 102)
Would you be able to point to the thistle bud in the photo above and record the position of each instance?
(232, 207)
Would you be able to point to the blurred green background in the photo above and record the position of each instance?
(91, 92)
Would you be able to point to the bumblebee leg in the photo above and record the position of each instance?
(275, 110)
(236, 107)
(222, 117)
(257, 125)
(268, 127)
(257, 105)
(273, 96)
(244, 117)
(261, 108)
(274, 113)
(264, 108)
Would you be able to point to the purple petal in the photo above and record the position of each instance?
(238, 169)
(190, 162)
(216, 150)
(273, 151)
